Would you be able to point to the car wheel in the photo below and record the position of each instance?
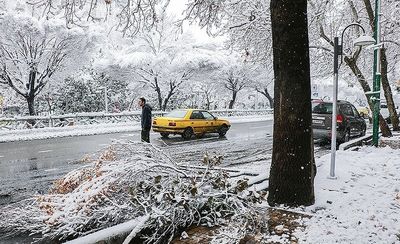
(187, 133)
(222, 130)
(164, 135)
(363, 131)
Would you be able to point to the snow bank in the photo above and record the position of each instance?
(362, 205)
(56, 132)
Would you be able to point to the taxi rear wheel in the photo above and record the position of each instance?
(222, 130)
(187, 133)
(164, 135)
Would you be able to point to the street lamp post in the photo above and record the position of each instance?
(338, 51)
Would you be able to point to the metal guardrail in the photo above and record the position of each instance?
(32, 122)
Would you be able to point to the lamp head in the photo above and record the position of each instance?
(364, 41)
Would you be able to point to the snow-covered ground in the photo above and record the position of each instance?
(362, 205)
(85, 130)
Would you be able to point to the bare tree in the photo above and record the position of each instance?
(261, 85)
(264, 91)
(159, 73)
(209, 94)
(151, 78)
(234, 82)
(28, 61)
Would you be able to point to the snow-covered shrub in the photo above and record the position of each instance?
(126, 181)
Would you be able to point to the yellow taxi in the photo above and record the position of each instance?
(363, 111)
(190, 122)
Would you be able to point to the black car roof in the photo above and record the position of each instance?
(339, 101)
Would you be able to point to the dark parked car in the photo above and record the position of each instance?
(349, 122)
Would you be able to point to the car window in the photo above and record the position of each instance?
(176, 114)
(196, 115)
(321, 108)
(356, 114)
(346, 110)
(384, 105)
(207, 115)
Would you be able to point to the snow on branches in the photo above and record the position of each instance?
(126, 181)
(130, 16)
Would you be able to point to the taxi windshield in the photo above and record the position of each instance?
(176, 114)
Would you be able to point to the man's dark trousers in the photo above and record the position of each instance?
(146, 136)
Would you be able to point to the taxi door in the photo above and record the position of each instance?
(210, 122)
(197, 122)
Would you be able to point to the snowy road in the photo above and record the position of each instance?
(30, 167)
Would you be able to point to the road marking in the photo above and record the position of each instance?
(45, 151)
(104, 144)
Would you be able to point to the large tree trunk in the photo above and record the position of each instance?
(166, 100)
(364, 84)
(31, 105)
(232, 102)
(159, 95)
(388, 92)
(208, 102)
(291, 180)
(31, 92)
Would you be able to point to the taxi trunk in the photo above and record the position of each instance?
(165, 124)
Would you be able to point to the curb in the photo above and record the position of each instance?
(360, 141)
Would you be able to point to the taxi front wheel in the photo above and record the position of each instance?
(222, 130)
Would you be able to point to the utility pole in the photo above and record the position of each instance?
(377, 74)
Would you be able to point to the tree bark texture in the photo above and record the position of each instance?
(387, 91)
(292, 172)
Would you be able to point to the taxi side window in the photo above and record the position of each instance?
(207, 115)
(196, 115)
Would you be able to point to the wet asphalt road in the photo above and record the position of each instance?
(30, 167)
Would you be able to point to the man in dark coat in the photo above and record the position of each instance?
(146, 119)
